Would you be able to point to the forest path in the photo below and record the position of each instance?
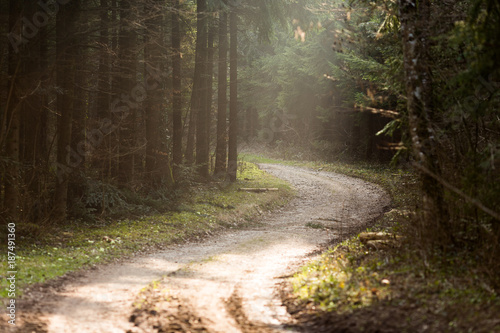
(228, 281)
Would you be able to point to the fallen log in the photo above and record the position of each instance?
(378, 240)
(368, 236)
(258, 190)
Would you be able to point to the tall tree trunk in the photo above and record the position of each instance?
(199, 97)
(194, 132)
(111, 155)
(79, 133)
(209, 95)
(103, 84)
(32, 119)
(65, 75)
(41, 153)
(154, 102)
(221, 148)
(102, 111)
(177, 90)
(129, 97)
(11, 190)
(233, 92)
(415, 37)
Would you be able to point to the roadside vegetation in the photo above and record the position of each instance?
(401, 287)
(357, 289)
(200, 211)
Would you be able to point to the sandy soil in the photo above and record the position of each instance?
(227, 283)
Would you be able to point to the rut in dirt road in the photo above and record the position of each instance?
(228, 277)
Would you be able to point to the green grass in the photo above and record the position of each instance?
(337, 282)
(450, 291)
(203, 211)
(350, 279)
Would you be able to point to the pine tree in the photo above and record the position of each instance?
(177, 90)
(221, 148)
(11, 191)
(66, 64)
(415, 37)
(125, 85)
(200, 90)
(232, 163)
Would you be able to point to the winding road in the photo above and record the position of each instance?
(240, 266)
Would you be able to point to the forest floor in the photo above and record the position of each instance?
(227, 283)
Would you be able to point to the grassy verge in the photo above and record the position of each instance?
(204, 210)
(357, 289)
(360, 290)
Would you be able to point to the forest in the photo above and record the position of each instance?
(113, 110)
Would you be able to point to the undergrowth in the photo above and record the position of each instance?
(353, 286)
(404, 288)
(202, 210)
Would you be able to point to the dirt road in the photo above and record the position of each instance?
(240, 268)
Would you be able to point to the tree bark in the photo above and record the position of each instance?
(65, 79)
(415, 38)
(79, 133)
(33, 119)
(200, 90)
(112, 140)
(11, 190)
(129, 98)
(177, 90)
(194, 132)
(221, 148)
(102, 106)
(233, 104)
(155, 101)
(208, 96)
(103, 84)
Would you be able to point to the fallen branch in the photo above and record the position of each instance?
(369, 236)
(258, 190)
(382, 112)
(379, 240)
(357, 108)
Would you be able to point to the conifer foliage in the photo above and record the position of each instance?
(109, 106)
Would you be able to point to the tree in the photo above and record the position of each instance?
(233, 92)
(200, 90)
(209, 91)
(156, 161)
(221, 147)
(177, 89)
(418, 80)
(66, 57)
(102, 160)
(11, 194)
(125, 91)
